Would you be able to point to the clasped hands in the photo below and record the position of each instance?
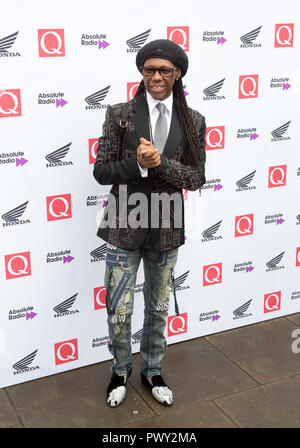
(147, 155)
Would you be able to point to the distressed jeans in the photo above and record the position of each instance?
(120, 277)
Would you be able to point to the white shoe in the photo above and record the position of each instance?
(160, 391)
(116, 391)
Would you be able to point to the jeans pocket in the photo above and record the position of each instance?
(115, 259)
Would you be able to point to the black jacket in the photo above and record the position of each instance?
(117, 165)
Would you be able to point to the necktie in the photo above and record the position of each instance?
(161, 128)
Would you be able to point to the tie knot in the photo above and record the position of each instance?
(161, 107)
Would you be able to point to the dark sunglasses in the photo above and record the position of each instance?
(166, 72)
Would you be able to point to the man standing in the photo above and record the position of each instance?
(152, 145)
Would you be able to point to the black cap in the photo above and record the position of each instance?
(164, 49)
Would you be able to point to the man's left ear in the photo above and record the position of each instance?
(178, 74)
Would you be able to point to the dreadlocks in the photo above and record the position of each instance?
(191, 155)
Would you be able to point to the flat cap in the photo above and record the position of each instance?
(164, 49)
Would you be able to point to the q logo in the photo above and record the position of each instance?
(177, 324)
(277, 176)
(298, 256)
(10, 103)
(284, 35)
(215, 137)
(212, 274)
(66, 351)
(99, 298)
(248, 86)
(17, 265)
(244, 225)
(132, 89)
(272, 302)
(51, 43)
(59, 207)
(93, 147)
(179, 35)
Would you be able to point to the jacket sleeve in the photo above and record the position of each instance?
(107, 168)
(190, 177)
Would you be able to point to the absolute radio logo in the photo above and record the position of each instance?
(212, 184)
(56, 98)
(276, 218)
(22, 366)
(100, 298)
(59, 256)
(13, 158)
(180, 35)
(278, 133)
(54, 158)
(211, 92)
(243, 183)
(26, 312)
(212, 315)
(99, 254)
(132, 89)
(214, 36)
(245, 266)
(249, 39)
(17, 265)
(64, 308)
(273, 264)
(244, 225)
(95, 100)
(100, 341)
(135, 43)
(240, 312)
(284, 35)
(51, 43)
(272, 302)
(10, 103)
(209, 233)
(177, 324)
(283, 83)
(215, 138)
(5, 45)
(295, 295)
(250, 133)
(277, 176)
(12, 217)
(94, 40)
(97, 199)
(212, 274)
(66, 351)
(248, 86)
(59, 207)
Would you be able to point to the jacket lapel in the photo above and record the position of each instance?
(140, 118)
(175, 135)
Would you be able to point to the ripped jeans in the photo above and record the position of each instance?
(120, 277)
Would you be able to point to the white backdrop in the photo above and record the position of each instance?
(52, 58)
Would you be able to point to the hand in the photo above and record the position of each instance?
(147, 155)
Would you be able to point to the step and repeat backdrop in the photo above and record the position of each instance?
(60, 67)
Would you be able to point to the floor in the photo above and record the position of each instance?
(248, 377)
